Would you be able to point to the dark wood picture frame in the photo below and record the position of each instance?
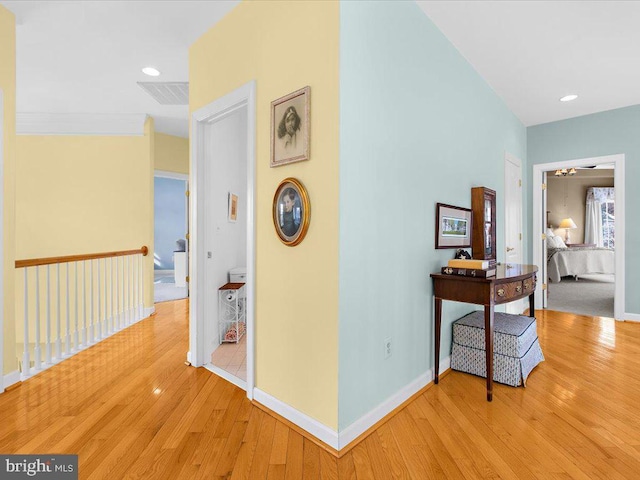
(453, 226)
(483, 204)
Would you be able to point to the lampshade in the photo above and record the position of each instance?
(567, 223)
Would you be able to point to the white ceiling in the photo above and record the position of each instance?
(534, 52)
(86, 56)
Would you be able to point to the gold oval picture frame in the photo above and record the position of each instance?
(291, 211)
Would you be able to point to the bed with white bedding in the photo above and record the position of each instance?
(576, 261)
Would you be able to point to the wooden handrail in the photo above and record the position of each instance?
(77, 258)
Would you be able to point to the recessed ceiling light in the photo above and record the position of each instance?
(152, 72)
(568, 98)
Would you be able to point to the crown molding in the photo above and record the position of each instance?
(80, 124)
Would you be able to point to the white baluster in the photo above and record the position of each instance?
(125, 316)
(91, 312)
(142, 285)
(99, 322)
(76, 340)
(105, 326)
(111, 318)
(136, 310)
(132, 288)
(67, 339)
(118, 291)
(37, 352)
(139, 286)
(58, 332)
(84, 302)
(26, 362)
(129, 319)
(48, 339)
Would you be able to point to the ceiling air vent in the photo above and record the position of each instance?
(167, 93)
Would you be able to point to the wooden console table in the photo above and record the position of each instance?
(511, 282)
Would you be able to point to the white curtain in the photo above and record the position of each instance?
(593, 214)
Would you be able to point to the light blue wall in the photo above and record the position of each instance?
(417, 126)
(605, 133)
(170, 219)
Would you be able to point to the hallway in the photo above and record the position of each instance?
(130, 408)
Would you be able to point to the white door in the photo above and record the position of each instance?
(513, 218)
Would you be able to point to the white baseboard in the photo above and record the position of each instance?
(445, 364)
(227, 376)
(364, 423)
(339, 440)
(10, 379)
(147, 312)
(631, 317)
(304, 421)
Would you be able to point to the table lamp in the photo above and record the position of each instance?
(567, 224)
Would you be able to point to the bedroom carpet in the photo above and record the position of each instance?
(164, 288)
(590, 295)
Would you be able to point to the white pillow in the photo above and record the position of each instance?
(551, 242)
(555, 242)
(550, 233)
(559, 242)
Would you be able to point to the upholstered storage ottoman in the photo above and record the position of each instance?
(516, 350)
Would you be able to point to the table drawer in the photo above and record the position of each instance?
(529, 285)
(506, 291)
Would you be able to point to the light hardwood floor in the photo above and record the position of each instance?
(131, 409)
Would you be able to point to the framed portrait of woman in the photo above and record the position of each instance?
(290, 124)
(291, 211)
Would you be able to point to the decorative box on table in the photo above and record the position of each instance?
(516, 350)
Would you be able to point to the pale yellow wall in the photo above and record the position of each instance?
(285, 46)
(85, 194)
(566, 197)
(172, 153)
(8, 86)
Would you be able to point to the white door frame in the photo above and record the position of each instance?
(1, 241)
(618, 160)
(509, 158)
(243, 97)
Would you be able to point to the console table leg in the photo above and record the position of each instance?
(532, 305)
(488, 337)
(437, 322)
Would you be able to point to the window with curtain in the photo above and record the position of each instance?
(600, 217)
(607, 211)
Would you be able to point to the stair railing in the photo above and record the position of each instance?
(103, 293)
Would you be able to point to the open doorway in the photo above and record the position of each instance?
(170, 231)
(223, 251)
(579, 214)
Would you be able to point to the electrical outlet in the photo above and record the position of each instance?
(387, 348)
